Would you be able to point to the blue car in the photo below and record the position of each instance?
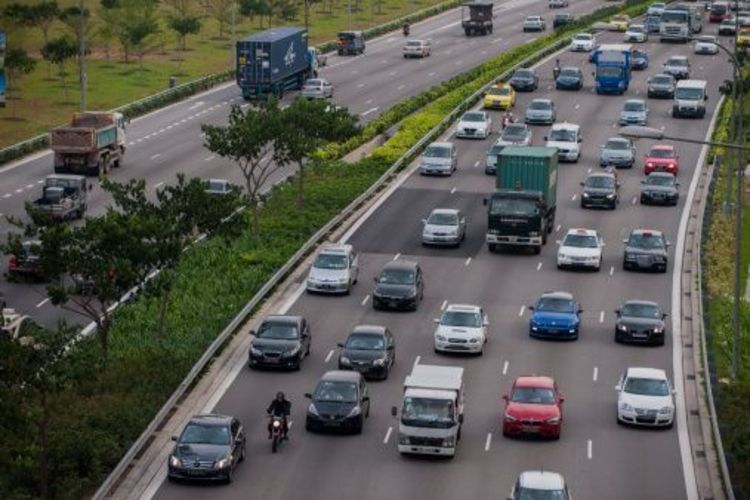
(570, 78)
(556, 315)
(639, 60)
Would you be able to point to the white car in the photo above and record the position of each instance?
(334, 270)
(645, 397)
(636, 33)
(583, 42)
(656, 8)
(566, 137)
(417, 48)
(461, 328)
(444, 226)
(540, 484)
(534, 23)
(706, 44)
(474, 124)
(558, 4)
(581, 248)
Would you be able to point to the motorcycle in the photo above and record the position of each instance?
(406, 31)
(508, 120)
(277, 432)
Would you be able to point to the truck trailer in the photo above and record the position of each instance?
(613, 68)
(90, 145)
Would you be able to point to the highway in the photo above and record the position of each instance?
(598, 458)
(168, 141)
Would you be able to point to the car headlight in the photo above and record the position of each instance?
(403, 438)
(658, 329)
(622, 328)
(312, 410)
(666, 410)
(344, 279)
(475, 340)
(354, 412)
(533, 233)
(441, 338)
(611, 196)
(553, 420)
(562, 256)
(175, 462)
(344, 360)
(255, 352)
(379, 362)
(626, 407)
(412, 293)
(509, 417)
(223, 463)
(293, 352)
(585, 195)
(449, 441)
(572, 329)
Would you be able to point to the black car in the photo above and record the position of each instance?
(524, 80)
(280, 342)
(661, 86)
(561, 20)
(370, 350)
(570, 78)
(26, 263)
(660, 188)
(640, 321)
(646, 249)
(209, 448)
(340, 402)
(600, 189)
(399, 285)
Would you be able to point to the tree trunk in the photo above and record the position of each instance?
(44, 445)
(307, 14)
(102, 326)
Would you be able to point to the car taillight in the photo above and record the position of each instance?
(650, 164)
(13, 263)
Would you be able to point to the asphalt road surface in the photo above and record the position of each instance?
(168, 141)
(598, 458)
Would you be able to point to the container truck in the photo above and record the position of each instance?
(612, 68)
(272, 62)
(476, 17)
(432, 411)
(521, 211)
(64, 197)
(91, 144)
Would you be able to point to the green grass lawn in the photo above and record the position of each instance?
(45, 103)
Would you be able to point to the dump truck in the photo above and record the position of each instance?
(64, 197)
(432, 410)
(476, 17)
(521, 211)
(90, 145)
(275, 61)
(612, 68)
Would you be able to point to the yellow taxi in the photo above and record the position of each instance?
(500, 96)
(743, 37)
(620, 22)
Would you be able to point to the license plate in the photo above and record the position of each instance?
(529, 428)
(272, 360)
(639, 335)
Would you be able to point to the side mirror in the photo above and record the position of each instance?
(580, 139)
(251, 332)
(668, 244)
(391, 347)
(643, 181)
(375, 279)
(676, 184)
(580, 310)
(436, 320)
(625, 241)
(582, 183)
(674, 392)
(461, 418)
(531, 308)
(617, 311)
(339, 344)
(174, 438)
(559, 242)
(664, 315)
(484, 201)
(424, 221)
(394, 411)
(366, 399)
(505, 397)
(545, 138)
(562, 399)
(486, 323)
(618, 387)
(705, 97)
(308, 395)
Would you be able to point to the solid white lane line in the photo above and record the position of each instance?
(589, 450)
(42, 303)
(153, 157)
(19, 191)
(395, 257)
(589, 170)
(444, 305)
(573, 198)
(371, 110)
(476, 163)
(539, 266)
(330, 354)
(612, 270)
(29, 186)
(601, 317)
(416, 360)
(596, 373)
(158, 185)
(488, 441)
(559, 226)
(209, 158)
(453, 190)
(367, 297)
(468, 261)
(387, 435)
(523, 309)
(42, 181)
(635, 200)
(505, 367)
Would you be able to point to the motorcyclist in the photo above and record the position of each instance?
(279, 407)
(556, 69)
(406, 28)
(508, 118)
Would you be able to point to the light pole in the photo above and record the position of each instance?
(82, 55)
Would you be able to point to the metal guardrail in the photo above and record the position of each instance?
(293, 261)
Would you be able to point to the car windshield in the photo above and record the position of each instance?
(660, 180)
(638, 54)
(205, 434)
(397, 277)
(608, 71)
(524, 74)
(515, 132)
(581, 241)
(278, 331)
(334, 391)
(219, 186)
(473, 117)
(533, 395)
(499, 91)
(543, 105)
(570, 72)
(617, 145)
(661, 80)
(634, 106)
(313, 83)
(437, 152)
(674, 16)
(636, 29)
(600, 181)
(647, 386)
(562, 135)
(414, 44)
(365, 342)
(555, 304)
(694, 94)
(636, 310)
(646, 241)
(707, 39)
(515, 206)
(583, 38)
(330, 261)
(460, 318)
(532, 19)
(662, 153)
(443, 219)
(427, 412)
(535, 494)
(676, 61)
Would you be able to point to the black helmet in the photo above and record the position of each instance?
(280, 395)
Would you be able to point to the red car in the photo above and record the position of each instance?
(662, 158)
(534, 407)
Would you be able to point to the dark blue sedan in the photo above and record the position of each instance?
(570, 78)
(555, 315)
(639, 60)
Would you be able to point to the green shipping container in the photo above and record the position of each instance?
(530, 169)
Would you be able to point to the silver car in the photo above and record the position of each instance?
(317, 88)
(490, 165)
(634, 112)
(334, 270)
(617, 152)
(515, 134)
(541, 111)
(444, 226)
(661, 85)
(678, 67)
(706, 44)
(439, 158)
(534, 23)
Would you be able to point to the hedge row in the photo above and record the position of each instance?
(98, 418)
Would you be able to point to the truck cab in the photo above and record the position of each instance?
(613, 68)
(350, 43)
(690, 99)
(64, 196)
(679, 22)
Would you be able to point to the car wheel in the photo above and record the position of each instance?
(242, 453)
(618, 337)
(358, 428)
(230, 475)
(492, 247)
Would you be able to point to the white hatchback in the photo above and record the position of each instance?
(581, 248)
(636, 33)
(461, 328)
(645, 397)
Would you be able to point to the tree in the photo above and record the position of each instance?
(58, 51)
(44, 15)
(220, 10)
(253, 8)
(71, 17)
(283, 10)
(250, 140)
(139, 34)
(307, 126)
(17, 64)
(307, 4)
(184, 25)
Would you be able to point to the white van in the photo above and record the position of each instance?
(690, 99)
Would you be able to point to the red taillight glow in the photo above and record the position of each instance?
(13, 262)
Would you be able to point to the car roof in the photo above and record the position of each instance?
(541, 480)
(448, 211)
(639, 101)
(677, 57)
(654, 232)
(542, 99)
(641, 372)
(640, 303)
(601, 174)
(211, 419)
(661, 174)
(565, 126)
(342, 376)
(335, 248)
(535, 381)
(469, 308)
(617, 138)
(372, 329)
(441, 144)
(401, 264)
(282, 318)
(575, 68)
(663, 146)
(581, 230)
(558, 295)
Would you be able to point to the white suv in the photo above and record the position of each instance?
(580, 248)
(566, 137)
(334, 270)
(645, 397)
(461, 328)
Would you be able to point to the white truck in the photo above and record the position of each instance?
(679, 22)
(689, 99)
(432, 412)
